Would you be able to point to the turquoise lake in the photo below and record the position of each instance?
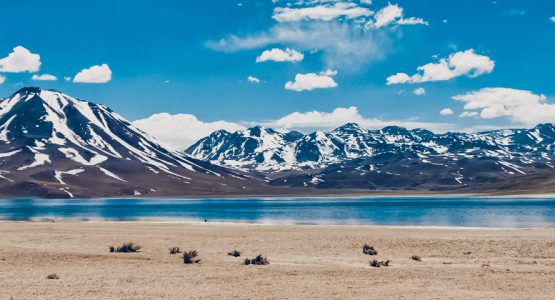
(466, 212)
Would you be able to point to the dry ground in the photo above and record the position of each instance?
(307, 262)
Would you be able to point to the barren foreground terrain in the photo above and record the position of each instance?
(306, 262)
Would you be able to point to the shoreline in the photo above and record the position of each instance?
(254, 224)
(305, 197)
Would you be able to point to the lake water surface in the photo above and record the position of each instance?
(471, 212)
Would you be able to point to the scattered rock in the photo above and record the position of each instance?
(52, 276)
(416, 257)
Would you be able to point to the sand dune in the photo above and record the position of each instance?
(307, 262)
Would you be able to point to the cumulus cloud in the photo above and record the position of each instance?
(463, 63)
(253, 79)
(446, 112)
(44, 77)
(326, 12)
(392, 14)
(420, 91)
(327, 120)
(519, 106)
(387, 15)
(552, 19)
(180, 131)
(278, 55)
(312, 81)
(94, 74)
(20, 60)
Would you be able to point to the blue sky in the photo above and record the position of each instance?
(194, 58)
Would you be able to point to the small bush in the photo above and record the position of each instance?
(189, 257)
(258, 260)
(369, 250)
(175, 250)
(234, 253)
(126, 248)
(416, 257)
(376, 264)
(52, 276)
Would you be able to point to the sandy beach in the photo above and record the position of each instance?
(307, 262)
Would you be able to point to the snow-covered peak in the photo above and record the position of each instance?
(49, 124)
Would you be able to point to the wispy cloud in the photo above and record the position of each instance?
(338, 30)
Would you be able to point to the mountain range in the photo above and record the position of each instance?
(55, 146)
(393, 158)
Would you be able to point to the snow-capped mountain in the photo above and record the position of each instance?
(393, 157)
(53, 145)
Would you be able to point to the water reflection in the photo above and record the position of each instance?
(481, 212)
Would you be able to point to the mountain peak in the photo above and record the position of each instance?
(350, 127)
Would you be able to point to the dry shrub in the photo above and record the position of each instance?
(259, 260)
(369, 250)
(126, 248)
(189, 257)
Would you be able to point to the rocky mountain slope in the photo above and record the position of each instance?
(53, 145)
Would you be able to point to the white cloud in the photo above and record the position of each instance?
(253, 79)
(278, 55)
(94, 74)
(327, 120)
(312, 81)
(387, 15)
(463, 63)
(2, 79)
(392, 14)
(343, 33)
(325, 12)
(67, 78)
(44, 77)
(20, 60)
(413, 21)
(181, 130)
(519, 106)
(446, 112)
(420, 91)
(552, 19)
(468, 114)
